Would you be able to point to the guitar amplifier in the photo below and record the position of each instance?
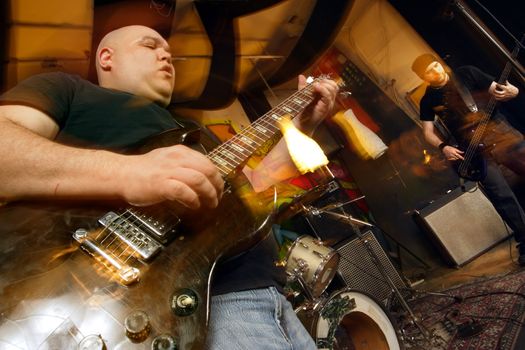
(462, 224)
(365, 266)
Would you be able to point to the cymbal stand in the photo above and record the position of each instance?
(355, 224)
(328, 210)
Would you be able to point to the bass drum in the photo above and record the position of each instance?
(349, 320)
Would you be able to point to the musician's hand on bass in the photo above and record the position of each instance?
(452, 153)
(503, 92)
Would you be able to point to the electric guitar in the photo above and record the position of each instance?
(94, 276)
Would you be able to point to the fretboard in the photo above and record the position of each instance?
(486, 114)
(234, 152)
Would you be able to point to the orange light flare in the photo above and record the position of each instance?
(426, 157)
(306, 154)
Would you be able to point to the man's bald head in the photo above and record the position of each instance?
(136, 59)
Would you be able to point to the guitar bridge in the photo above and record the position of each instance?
(124, 238)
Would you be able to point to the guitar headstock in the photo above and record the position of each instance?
(343, 91)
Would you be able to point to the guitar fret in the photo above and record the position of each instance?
(238, 148)
(298, 101)
(269, 126)
(220, 161)
(261, 129)
(249, 130)
(232, 153)
(226, 167)
(287, 109)
(247, 141)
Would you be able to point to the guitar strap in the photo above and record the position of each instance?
(465, 94)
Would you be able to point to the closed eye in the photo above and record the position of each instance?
(154, 43)
(150, 44)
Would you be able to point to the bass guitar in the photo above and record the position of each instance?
(473, 167)
(98, 276)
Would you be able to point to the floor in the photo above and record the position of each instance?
(497, 261)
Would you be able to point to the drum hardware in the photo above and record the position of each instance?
(312, 264)
(344, 217)
(419, 335)
(311, 211)
(349, 319)
(337, 205)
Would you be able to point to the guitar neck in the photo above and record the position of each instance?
(485, 116)
(234, 152)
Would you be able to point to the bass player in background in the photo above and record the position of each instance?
(456, 99)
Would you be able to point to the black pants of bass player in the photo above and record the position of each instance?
(502, 197)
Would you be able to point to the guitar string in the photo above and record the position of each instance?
(109, 233)
(480, 130)
(486, 115)
(128, 218)
(251, 129)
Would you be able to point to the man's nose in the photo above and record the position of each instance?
(164, 55)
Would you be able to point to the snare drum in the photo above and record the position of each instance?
(349, 320)
(312, 262)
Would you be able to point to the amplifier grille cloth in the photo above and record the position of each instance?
(359, 271)
(466, 226)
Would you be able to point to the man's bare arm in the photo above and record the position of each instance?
(432, 137)
(32, 165)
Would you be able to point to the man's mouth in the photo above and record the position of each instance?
(167, 69)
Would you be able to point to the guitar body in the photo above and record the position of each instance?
(138, 278)
(53, 295)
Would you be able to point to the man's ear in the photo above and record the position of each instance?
(105, 56)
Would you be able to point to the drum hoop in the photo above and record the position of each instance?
(331, 252)
(379, 312)
(298, 239)
(294, 244)
(322, 266)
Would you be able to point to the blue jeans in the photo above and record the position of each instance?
(255, 319)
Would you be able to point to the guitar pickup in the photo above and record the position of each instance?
(161, 225)
(130, 232)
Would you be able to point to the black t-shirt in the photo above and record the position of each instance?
(449, 105)
(89, 115)
(95, 117)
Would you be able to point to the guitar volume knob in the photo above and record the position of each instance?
(138, 327)
(184, 302)
(164, 342)
(92, 342)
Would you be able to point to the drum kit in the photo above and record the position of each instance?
(344, 318)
